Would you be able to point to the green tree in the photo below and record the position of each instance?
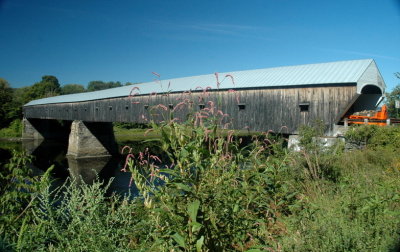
(49, 86)
(391, 99)
(101, 85)
(6, 94)
(72, 89)
(20, 97)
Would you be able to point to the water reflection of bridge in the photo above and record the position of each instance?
(48, 153)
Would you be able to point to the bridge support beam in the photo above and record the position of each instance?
(91, 139)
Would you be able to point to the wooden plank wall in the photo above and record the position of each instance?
(265, 109)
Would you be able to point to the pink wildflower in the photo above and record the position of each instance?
(128, 158)
(216, 76)
(284, 127)
(134, 88)
(154, 157)
(143, 118)
(156, 74)
(230, 136)
(147, 131)
(228, 75)
(226, 125)
(162, 106)
(178, 106)
(126, 147)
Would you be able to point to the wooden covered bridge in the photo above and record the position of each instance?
(278, 99)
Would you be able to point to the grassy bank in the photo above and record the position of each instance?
(257, 198)
(13, 131)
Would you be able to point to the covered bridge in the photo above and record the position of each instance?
(278, 99)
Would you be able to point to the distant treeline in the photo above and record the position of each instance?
(12, 99)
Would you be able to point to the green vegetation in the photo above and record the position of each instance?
(6, 113)
(391, 98)
(72, 89)
(14, 130)
(210, 194)
(100, 85)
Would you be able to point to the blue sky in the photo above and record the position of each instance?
(81, 41)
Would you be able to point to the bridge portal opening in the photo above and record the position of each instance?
(369, 99)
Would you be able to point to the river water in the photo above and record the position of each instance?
(47, 153)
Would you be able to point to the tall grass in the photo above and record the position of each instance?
(255, 199)
(210, 193)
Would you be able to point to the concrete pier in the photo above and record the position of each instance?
(91, 140)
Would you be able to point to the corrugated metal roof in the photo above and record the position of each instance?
(311, 74)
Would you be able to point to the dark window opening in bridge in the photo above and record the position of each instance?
(242, 106)
(76, 110)
(97, 109)
(126, 107)
(202, 106)
(110, 107)
(146, 106)
(171, 106)
(304, 106)
(85, 109)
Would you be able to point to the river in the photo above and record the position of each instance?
(48, 152)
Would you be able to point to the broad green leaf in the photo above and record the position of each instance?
(192, 209)
(184, 153)
(183, 187)
(179, 239)
(199, 243)
(236, 208)
(196, 226)
(168, 171)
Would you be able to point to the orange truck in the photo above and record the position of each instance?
(371, 118)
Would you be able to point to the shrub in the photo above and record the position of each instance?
(214, 196)
(18, 196)
(13, 130)
(315, 161)
(357, 213)
(374, 136)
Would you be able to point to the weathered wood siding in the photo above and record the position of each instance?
(265, 109)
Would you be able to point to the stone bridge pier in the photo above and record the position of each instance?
(90, 144)
(85, 139)
(91, 139)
